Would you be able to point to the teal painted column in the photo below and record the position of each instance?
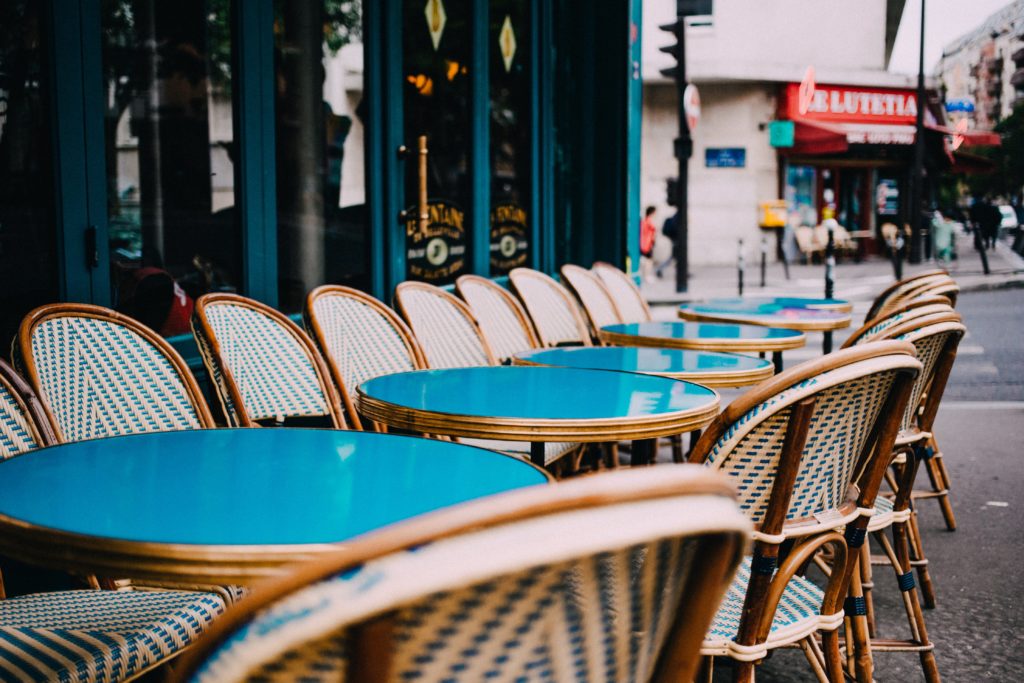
(255, 170)
(634, 118)
(480, 150)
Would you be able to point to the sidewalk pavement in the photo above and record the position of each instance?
(857, 282)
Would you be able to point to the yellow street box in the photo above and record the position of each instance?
(773, 214)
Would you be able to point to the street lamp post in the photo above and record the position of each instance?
(916, 185)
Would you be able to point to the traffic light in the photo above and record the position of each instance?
(672, 191)
(684, 8)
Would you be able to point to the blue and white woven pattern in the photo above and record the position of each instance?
(102, 379)
(101, 636)
(595, 298)
(549, 305)
(361, 342)
(581, 595)
(553, 450)
(498, 321)
(274, 374)
(928, 342)
(448, 338)
(798, 615)
(15, 432)
(627, 297)
(849, 400)
(875, 331)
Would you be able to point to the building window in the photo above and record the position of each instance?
(322, 227)
(170, 149)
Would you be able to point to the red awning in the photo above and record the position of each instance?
(971, 164)
(817, 138)
(971, 138)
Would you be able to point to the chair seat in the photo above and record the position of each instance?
(798, 615)
(552, 450)
(94, 635)
(885, 515)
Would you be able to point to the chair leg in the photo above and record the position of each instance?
(858, 624)
(706, 670)
(937, 465)
(867, 583)
(677, 448)
(743, 672)
(919, 561)
(816, 658)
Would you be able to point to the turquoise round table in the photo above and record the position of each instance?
(705, 337)
(717, 370)
(793, 313)
(230, 505)
(539, 405)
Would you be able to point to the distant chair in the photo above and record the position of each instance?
(505, 324)
(595, 298)
(99, 373)
(85, 635)
(915, 308)
(553, 310)
(265, 368)
(360, 338)
(808, 241)
(612, 577)
(629, 301)
(897, 290)
(807, 451)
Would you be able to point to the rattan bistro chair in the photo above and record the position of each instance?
(99, 373)
(360, 338)
(807, 450)
(628, 300)
(451, 337)
(915, 308)
(898, 290)
(506, 326)
(612, 577)
(595, 298)
(553, 310)
(264, 367)
(84, 635)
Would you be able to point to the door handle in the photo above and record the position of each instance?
(92, 252)
(422, 215)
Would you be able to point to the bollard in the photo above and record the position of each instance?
(764, 257)
(830, 264)
(740, 265)
(981, 251)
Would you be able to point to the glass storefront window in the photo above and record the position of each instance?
(169, 145)
(322, 223)
(511, 128)
(800, 196)
(28, 251)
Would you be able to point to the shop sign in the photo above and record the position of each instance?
(962, 104)
(887, 197)
(725, 157)
(436, 20)
(437, 253)
(781, 133)
(509, 242)
(850, 104)
(507, 43)
(691, 106)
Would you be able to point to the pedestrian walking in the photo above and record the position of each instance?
(648, 233)
(670, 230)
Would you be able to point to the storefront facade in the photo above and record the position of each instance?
(152, 151)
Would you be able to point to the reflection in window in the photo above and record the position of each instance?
(174, 232)
(28, 256)
(322, 233)
(511, 129)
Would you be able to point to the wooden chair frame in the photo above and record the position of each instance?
(25, 359)
(521, 275)
(575, 277)
(31, 407)
(214, 360)
(720, 552)
(318, 336)
(607, 271)
(458, 304)
(898, 287)
(466, 281)
(764, 589)
(915, 308)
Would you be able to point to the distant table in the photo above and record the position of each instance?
(706, 337)
(719, 370)
(230, 505)
(539, 405)
(793, 313)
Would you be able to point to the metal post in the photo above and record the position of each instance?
(684, 148)
(764, 257)
(830, 287)
(980, 246)
(740, 265)
(916, 191)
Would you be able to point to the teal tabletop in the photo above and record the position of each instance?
(246, 487)
(537, 403)
(703, 336)
(788, 312)
(704, 367)
(768, 304)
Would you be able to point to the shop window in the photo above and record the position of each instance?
(322, 224)
(170, 150)
(28, 253)
(801, 195)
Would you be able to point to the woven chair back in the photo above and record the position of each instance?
(852, 392)
(24, 425)
(443, 325)
(935, 338)
(629, 301)
(913, 289)
(896, 288)
(265, 368)
(503, 321)
(360, 338)
(553, 310)
(593, 295)
(609, 578)
(944, 288)
(100, 374)
(875, 329)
